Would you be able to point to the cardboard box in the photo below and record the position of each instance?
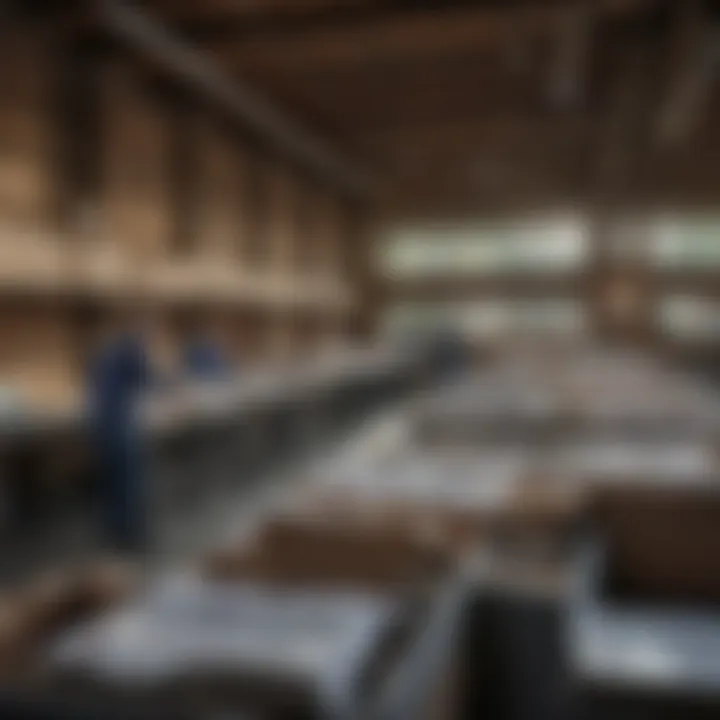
(663, 541)
(544, 503)
(455, 529)
(295, 551)
(35, 611)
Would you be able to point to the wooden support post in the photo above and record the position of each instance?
(30, 250)
(620, 300)
(364, 284)
(184, 175)
(242, 198)
(623, 291)
(331, 229)
(281, 234)
(572, 53)
(257, 207)
(218, 192)
(314, 223)
(692, 74)
(151, 39)
(135, 163)
(37, 358)
(280, 238)
(279, 345)
(37, 354)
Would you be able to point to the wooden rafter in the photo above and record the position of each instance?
(403, 35)
(153, 41)
(567, 77)
(693, 72)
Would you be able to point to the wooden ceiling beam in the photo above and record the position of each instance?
(188, 10)
(572, 51)
(404, 35)
(496, 128)
(182, 63)
(616, 151)
(422, 93)
(693, 72)
(456, 198)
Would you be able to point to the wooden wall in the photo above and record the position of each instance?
(115, 184)
(27, 145)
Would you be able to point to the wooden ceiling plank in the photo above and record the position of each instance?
(692, 74)
(405, 36)
(572, 53)
(188, 10)
(152, 40)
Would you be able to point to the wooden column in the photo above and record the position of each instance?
(330, 236)
(225, 230)
(37, 354)
(218, 193)
(620, 297)
(31, 251)
(624, 297)
(279, 341)
(245, 199)
(184, 173)
(257, 202)
(363, 273)
(36, 350)
(280, 239)
(135, 220)
(128, 241)
(281, 228)
(256, 253)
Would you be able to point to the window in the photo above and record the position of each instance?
(690, 318)
(690, 243)
(532, 246)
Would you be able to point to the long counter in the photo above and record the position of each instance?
(201, 437)
(479, 544)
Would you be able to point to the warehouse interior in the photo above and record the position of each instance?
(461, 262)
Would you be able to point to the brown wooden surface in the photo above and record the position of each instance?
(291, 551)
(26, 128)
(37, 355)
(452, 102)
(662, 541)
(31, 613)
(135, 168)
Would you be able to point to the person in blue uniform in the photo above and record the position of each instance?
(204, 356)
(119, 374)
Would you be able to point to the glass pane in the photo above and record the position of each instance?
(537, 246)
(690, 317)
(693, 243)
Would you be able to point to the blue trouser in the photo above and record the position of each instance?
(123, 491)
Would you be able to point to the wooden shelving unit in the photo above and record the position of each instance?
(162, 196)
